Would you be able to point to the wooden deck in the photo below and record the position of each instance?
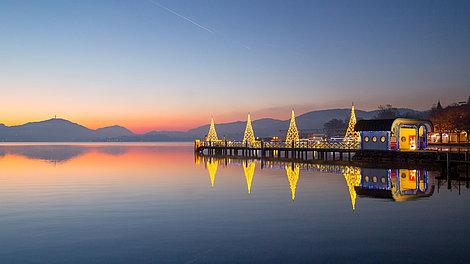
(430, 157)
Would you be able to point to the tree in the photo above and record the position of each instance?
(387, 112)
(451, 118)
(439, 106)
(390, 112)
(335, 127)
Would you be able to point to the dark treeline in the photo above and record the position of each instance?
(453, 118)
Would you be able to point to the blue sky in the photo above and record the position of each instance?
(138, 64)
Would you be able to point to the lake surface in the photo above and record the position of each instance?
(158, 203)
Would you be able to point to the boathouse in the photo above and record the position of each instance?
(393, 134)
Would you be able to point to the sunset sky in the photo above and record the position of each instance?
(169, 65)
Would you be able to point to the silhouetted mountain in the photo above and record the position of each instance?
(159, 136)
(57, 130)
(113, 132)
(263, 128)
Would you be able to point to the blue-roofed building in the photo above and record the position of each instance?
(393, 134)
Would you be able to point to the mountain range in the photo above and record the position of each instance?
(61, 130)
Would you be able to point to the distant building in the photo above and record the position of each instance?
(393, 134)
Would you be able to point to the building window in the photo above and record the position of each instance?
(421, 131)
(382, 139)
(366, 139)
(374, 139)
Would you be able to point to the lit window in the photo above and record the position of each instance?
(421, 131)
(366, 139)
(382, 139)
(374, 139)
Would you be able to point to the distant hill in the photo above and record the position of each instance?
(58, 130)
(113, 132)
(61, 130)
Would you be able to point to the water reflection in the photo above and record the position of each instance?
(393, 184)
(59, 153)
(352, 175)
(99, 200)
(48, 153)
(211, 166)
(293, 172)
(396, 184)
(249, 170)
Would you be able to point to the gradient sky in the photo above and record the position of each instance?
(171, 64)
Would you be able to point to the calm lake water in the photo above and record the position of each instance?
(158, 203)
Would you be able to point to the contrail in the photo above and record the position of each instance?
(212, 31)
(183, 17)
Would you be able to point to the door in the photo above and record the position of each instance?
(407, 138)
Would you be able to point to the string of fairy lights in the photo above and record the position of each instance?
(292, 139)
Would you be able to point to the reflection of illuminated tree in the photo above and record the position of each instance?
(352, 175)
(211, 165)
(249, 169)
(293, 172)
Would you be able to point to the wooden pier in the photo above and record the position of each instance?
(297, 153)
(350, 148)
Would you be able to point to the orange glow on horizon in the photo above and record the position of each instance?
(147, 120)
(144, 124)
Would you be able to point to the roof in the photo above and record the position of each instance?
(374, 125)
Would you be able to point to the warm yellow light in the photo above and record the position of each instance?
(352, 137)
(212, 135)
(293, 172)
(292, 133)
(249, 136)
(352, 175)
(212, 165)
(249, 170)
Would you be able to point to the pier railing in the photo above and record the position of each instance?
(280, 145)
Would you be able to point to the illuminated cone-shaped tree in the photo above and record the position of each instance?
(249, 136)
(352, 137)
(352, 175)
(212, 135)
(293, 172)
(292, 132)
(249, 169)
